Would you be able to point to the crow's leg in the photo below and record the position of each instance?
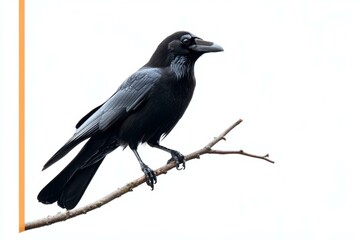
(176, 156)
(149, 173)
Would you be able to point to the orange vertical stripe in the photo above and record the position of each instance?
(21, 115)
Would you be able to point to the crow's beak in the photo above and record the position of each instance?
(205, 46)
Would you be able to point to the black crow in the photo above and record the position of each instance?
(144, 109)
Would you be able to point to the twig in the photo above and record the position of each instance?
(241, 152)
(63, 216)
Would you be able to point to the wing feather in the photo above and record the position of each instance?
(129, 96)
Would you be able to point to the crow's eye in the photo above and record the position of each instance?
(186, 40)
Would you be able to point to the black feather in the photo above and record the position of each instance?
(143, 109)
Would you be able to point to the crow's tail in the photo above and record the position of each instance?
(69, 185)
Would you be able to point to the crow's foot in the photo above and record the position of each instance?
(150, 176)
(179, 160)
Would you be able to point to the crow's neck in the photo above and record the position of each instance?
(182, 67)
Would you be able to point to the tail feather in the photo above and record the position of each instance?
(69, 185)
(76, 186)
(52, 191)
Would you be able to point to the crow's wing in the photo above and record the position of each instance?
(84, 118)
(130, 95)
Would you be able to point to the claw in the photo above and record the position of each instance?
(150, 176)
(179, 160)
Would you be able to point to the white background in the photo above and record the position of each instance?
(290, 69)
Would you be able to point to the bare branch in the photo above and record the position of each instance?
(241, 152)
(222, 135)
(63, 216)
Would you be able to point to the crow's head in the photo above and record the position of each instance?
(181, 44)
